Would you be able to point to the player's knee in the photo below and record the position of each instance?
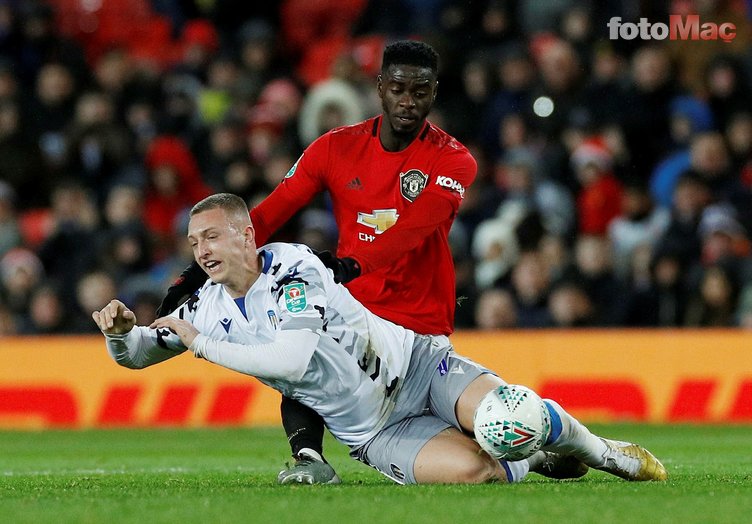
(480, 469)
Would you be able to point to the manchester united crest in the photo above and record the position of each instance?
(412, 183)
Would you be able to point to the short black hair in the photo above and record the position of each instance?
(410, 52)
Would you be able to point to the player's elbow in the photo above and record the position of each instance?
(127, 362)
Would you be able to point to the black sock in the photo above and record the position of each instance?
(304, 427)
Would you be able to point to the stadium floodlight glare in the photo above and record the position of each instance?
(543, 106)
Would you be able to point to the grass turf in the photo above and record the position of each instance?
(153, 476)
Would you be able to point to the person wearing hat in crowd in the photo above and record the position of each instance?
(599, 199)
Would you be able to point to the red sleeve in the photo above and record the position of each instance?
(421, 219)
(436, 205)
(301, 183)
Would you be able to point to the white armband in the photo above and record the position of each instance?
(285, 359)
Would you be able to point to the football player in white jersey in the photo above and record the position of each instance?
(404, 403)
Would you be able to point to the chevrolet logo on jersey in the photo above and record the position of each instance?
(380, 220)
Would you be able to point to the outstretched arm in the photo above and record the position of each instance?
(129, 345)
(286, 358)
(436, 205)
(418, 221)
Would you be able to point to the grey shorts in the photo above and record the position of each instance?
(435, 380)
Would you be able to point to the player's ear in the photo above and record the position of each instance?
(249, 233)
(379, 85)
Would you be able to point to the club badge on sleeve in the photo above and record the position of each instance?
(295, 297)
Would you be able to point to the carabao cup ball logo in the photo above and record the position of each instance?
(511, 422)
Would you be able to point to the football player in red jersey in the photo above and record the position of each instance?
(396, 182)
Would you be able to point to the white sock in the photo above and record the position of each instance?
(308, 452)
(573, 438)
(536, 460)
(517, 470)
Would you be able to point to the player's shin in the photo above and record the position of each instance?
(623, 459)
(304, 427)
(569, 437)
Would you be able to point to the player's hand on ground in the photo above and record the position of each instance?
(180, 327)
(114, 318)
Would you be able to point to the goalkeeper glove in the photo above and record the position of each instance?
(192, 278)
(344, 269)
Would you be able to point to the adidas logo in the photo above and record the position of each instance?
(354, 184)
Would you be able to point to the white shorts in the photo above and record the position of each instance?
(435, 380)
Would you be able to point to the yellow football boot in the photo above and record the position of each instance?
(631, 462)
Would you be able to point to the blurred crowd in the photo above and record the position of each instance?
(615, 176)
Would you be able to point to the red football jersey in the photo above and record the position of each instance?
(394, 211)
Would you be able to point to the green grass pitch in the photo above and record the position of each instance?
(216, 476)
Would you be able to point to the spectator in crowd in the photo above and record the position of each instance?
(41, 43)
(259, 58)
(603, 90)
(690, 197)
(516, 75)
(561, 81)
(98, 147)
(22, 167)
(10, 234)
(145, 305)
(530, 284)
(647, 102)
(714, 304)
(70, 249)
(94, 288)
(50, 110)
(744, 308)
(496, 309)
(224, 146)
(727, 85)
(662, 301)
(47, 313)
(600, 197)
(556, 255)
(334, 102)
(520, 179)
(569, 305)
(738, 134)
(175, 183)
(495, 245)
(594, 270)
(640, 223)
(20, 272)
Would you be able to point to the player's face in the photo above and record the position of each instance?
(219, 247)
(407, 93)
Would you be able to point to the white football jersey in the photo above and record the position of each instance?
(357, 367)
